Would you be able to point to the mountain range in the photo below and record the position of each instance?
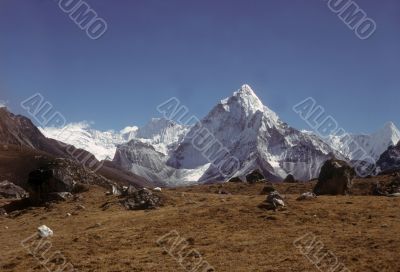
(240, 134)
(23, 148)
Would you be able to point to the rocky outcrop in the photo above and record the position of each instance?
(306, 196)
(290, 179)
(62, 175)
(254, 177)
(235, 180)
(274, 201)
(389, 160)
(391, 188)
(335, 178)
(10, 190)
(269, 188)
(142, 199)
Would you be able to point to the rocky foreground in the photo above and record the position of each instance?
(208, 228)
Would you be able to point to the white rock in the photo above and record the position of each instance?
(278, 202)
(45, 231)
(306, 196)
(395, 195)
(115, 190)
(157, 189)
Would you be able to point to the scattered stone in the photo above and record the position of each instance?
(274, 201)
(115, 190)
(394, 186)
(157, 189)
(255, 176)
(306, 196)
(142, 199)
(97, 225)
(335, 178)
(378, 190)
(394, 195)
(80, 207)
(190, 241)
(126, 191)
(80, 188)
(10, 190)
(235, 180)
(45, 231)
(290, 179)
(267, 189)
(78, 198)
(63, 196)
(223, 192)
(391, 190)
(69, 215)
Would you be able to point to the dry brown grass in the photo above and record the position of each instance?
(230, 232)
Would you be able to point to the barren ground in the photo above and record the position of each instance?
(229, 231)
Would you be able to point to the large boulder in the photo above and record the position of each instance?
(255, 177)
(62, 175)
(289, 179)
(335, 178)
(235, 180)
(274, 201)
(142, 199)
(10, 190)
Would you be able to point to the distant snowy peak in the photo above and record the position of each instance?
(373, 144)
(102, 144)
(162, 134)
(163, 129)
(390, 132)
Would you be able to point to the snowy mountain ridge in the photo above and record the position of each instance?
(353, 145)
(242, 135)
(160, 133)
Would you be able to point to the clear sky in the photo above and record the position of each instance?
(200, 52)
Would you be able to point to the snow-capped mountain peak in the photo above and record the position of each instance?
(243, 99)
(254, 136)
(355, 145)
(244, 103)
(390, 129)
(102, 144)
(161, 133)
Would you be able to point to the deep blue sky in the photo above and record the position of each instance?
(200, 52)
